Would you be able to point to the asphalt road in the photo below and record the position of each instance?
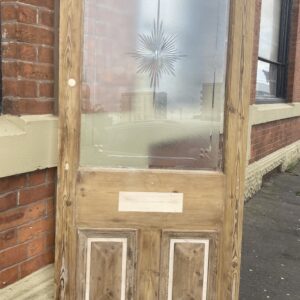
(271, 242)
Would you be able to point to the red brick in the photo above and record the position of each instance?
(9, 69)
(36, 71)
(51, 175)
(8, 239)
(29, 48)
(36, 263)
(8, 32)
(269, 137)
(9, 50)
(50, 206)
(45, 55)
(26, 52)
(26, 89)
(21, 215)
(30, 231)
(11, 183)
(27, 14)
(294, 57)
(13, 256)
(36, 246)
(35, 35)
(19, 88)
(27, 56)
(40, 3)
(46, 90)
(10, 87)
(46, 18)
(28, 106)
(34, 194)
(255, 49)
(37, 177)
(8, 13)
(50, 240)
(8, 201)
(9, 276)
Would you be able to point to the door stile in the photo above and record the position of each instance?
(238, 92)
(70, 54)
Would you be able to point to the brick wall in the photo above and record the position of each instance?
(294, 55)
(293, 89)
(255, 50)
(27, 200)
(269, 137)
(28, 51)
(26, 224)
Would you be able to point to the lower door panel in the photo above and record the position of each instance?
(133, 264)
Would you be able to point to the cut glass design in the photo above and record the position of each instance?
(153, 83)
(157, 53)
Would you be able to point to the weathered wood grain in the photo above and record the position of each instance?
(212, 201)
(106, 271)
(238, 92)
(149, 264)
(188, 264)
(102, 268)
(203, 195)
(69, 120)
(188, 271)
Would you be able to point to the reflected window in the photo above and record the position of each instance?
(273, 50)
(153, 83)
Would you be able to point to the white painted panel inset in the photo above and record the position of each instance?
(151, 202)
(124, 263)
(171, 264)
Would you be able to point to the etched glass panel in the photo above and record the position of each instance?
(153, 83)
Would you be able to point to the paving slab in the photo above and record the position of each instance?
(37, 286)
(271, 241)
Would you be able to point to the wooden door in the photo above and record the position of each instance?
(150, 186)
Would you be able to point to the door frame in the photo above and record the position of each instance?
(238, 92)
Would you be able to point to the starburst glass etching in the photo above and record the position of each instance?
(157, 53)
(153, 83)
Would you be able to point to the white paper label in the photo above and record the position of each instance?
(151, 202)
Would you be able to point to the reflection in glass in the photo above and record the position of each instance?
(269, 29)
(153, 83)
(266, 84)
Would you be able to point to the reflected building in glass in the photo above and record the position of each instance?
(154, 78)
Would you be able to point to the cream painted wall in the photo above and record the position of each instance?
(264, 113)
(27, 143)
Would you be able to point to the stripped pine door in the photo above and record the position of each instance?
(153, 106)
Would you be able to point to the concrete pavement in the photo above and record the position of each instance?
(271, 242)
